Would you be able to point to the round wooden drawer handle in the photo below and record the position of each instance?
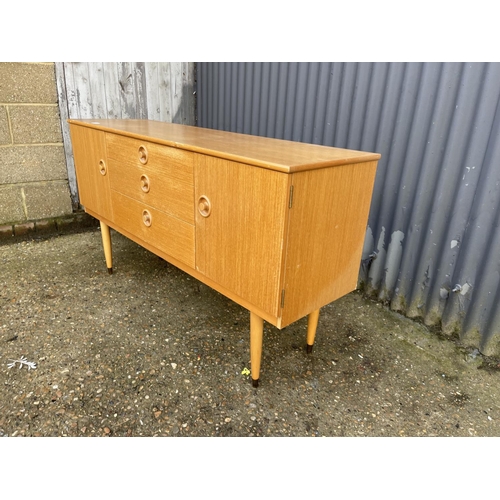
(102, 167)
(145, 183)
(147, 218)
(143, 155)
(204, 206)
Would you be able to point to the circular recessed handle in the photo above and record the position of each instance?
(143, 155)
(102, 167)
(145, 183)
(204, 206)
(147, 218)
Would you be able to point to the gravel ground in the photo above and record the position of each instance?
(150, 351)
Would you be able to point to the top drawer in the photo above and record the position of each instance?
(175, 163)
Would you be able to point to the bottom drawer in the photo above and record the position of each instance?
(170, 235)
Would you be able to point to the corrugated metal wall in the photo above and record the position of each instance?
(161, 91)
(432, 247)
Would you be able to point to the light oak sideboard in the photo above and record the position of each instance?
(277, 226)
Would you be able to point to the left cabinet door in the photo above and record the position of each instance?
(92, 170)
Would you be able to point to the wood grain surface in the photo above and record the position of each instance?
(275, 154)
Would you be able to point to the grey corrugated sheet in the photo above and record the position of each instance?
(432, 247)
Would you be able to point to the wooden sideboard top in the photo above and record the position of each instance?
(274, 154)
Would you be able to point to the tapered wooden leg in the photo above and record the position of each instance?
(256, 331)
(312, 325)
(106, 243)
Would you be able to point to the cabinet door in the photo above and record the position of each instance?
(92, 170)
(239, 235)
(327, 228)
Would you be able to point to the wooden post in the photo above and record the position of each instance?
(312, 325)
(106, 243)
(256, 331)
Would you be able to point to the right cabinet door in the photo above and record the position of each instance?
(240, 228)
(327, 228)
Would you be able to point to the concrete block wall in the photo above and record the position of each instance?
(33, 174)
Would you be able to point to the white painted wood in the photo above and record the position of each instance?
(126, 90)
(111, 86)
(176, 89)
(165, 92)
(82, 91)
(153, 90)
(97, 90)
(71, 91)
(139, 88)
(188, 111)
(62, 94)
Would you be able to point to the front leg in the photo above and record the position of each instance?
(256, 333)
(312, 325)
(106, 243)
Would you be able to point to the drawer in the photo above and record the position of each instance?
(153, 187)
(174, 163)
(168, 234)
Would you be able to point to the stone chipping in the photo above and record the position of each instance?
(151, 351)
